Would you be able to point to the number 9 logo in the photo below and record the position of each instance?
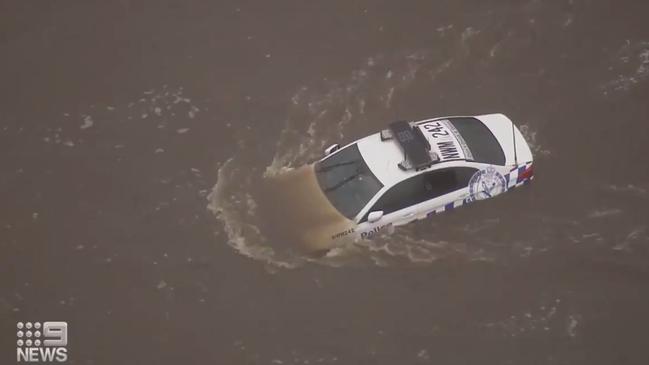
(55, 334)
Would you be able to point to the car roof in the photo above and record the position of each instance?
(383, 158)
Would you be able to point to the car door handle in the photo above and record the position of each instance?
(408, 217)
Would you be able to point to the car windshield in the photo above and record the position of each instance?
(482, 143)
(347, 181)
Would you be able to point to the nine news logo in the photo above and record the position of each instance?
(46, 344)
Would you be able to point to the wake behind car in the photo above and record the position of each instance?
(409, 171)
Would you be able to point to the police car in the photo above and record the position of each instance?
(413, 170)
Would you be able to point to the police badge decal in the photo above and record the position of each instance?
(486, 184)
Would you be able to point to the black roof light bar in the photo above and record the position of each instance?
(413, 143)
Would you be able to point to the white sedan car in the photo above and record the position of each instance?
(410, 171)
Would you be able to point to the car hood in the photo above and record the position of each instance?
(301, 212)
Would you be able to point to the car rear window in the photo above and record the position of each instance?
(482, 143)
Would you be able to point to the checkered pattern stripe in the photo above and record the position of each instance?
(516, 176)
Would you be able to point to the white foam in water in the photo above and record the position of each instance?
(87, 122)
(572, 324)
(603, 213)
(637, 235)
(629, 189)
(631, 67)
(468, 34)
(530, 137)
(549, 316)
(229, 206)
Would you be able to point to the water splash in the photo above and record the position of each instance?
(631, 67)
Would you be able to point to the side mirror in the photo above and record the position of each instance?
(374, 216)
(331, 149)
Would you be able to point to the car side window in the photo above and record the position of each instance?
(420, 188)
(404, 194)
(463, 175)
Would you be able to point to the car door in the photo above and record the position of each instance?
(394, 204)
(443, 189)
(417, 196)
(451, 189)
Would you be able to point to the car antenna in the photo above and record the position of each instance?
(514, 140)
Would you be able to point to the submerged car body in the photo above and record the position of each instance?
(410, 171)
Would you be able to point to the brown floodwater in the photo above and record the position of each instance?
(140, 143)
